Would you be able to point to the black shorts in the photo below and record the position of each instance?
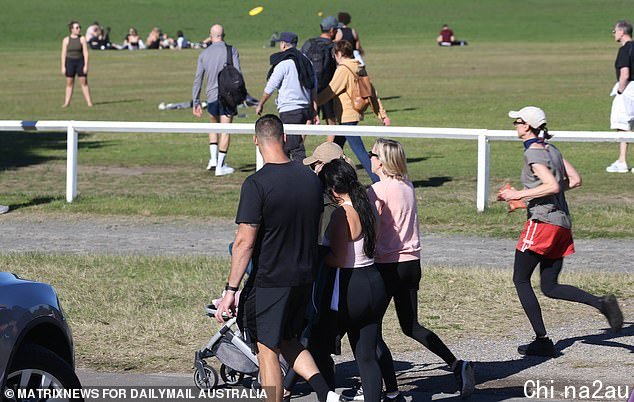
(271, 315)
(218, 109)
(75, 67)
(400, 275)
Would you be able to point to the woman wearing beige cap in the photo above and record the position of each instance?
(547, 236)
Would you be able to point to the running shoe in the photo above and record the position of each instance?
(397, 398)
(539, 347)
(211, 164)
(611, 310)
(617, 167)
(3, 209)
(353, 394)
(224, 170)
(332, 397)
(465, 376)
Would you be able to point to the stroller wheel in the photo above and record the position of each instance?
(207, 379)
(230, 376)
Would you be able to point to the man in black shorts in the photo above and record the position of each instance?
(278, 217)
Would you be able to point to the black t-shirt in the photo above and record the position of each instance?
(624, 59)
(286, 201)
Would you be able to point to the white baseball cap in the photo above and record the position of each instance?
(532, 115)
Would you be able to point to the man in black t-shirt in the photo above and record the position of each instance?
(622, 114)
(278, 217)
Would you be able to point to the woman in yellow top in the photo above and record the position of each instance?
(340, 88)
(75, 62)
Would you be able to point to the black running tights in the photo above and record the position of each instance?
(525, 263)
(362, 304)
(399, 279)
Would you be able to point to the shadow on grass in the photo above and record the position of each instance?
(390, 98)
(247, 168)
(405, 109)
(418, 159)
(118, 101)
(19, 149)
(432, 181)
(35, 201)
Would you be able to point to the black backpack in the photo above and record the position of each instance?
(319, 52)
(232, 90)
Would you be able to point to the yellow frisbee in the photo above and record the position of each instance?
(256, 10)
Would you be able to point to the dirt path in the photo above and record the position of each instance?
(160, 236)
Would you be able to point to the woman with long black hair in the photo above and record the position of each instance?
(359, 294)
(547, 236)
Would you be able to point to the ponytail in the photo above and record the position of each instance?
(361, 204)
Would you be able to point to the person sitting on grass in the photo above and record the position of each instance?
(446, 38)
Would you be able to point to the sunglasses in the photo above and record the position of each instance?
(372, 154)
(518, 122)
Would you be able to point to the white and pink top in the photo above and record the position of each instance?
(399, 236)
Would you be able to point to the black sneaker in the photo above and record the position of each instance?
(353, 394)
(465, 376)
(611, 310)
(539, 347)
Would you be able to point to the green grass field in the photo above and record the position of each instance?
(558, 56)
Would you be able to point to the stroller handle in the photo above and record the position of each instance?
(211, 310)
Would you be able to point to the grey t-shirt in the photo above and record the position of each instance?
(210, 62)
(551, 209)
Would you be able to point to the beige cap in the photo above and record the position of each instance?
(324, 153)
(532, 115)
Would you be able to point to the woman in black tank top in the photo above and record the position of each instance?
(347, 33)
(75, 62)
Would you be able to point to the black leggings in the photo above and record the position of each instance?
(525, 263)
(362, 304)
(401, 280)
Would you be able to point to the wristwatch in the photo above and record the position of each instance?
(231, 288)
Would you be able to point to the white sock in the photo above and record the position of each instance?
(213, 152)
(221, 158)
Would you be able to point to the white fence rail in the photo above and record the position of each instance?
(483, 136)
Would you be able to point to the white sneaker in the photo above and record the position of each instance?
(224, 170)
(332, 397)
(211, 164)
(161, 106)
(617, 167)
(3, 209)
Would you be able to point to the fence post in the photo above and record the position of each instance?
(484, 153)
(71, 163)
